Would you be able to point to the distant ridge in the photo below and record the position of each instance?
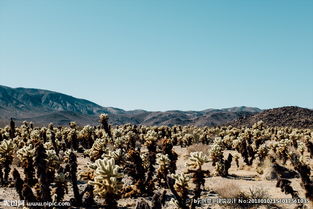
(290, 116)
(44, 106)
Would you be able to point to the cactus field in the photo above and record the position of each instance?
(154, 167)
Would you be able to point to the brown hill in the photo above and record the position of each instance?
(290, 116)
(43, 106)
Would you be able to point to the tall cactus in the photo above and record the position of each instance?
(107, 181)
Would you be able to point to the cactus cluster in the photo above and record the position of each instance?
(136, 161)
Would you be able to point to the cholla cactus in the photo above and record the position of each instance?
(236, 158)
(222, 166)
(7, 148)
(35, 135)
(25, 155)
(181, 185)
(305, 172)
(178, 184)
(216, 151)
(262, 152)
(71, 140)
(243, 145)
(98, 148)
(48, 145)
(53, 160)
(309, 145)
(50, 126)
(187, 140)
(135, 169)
(258, 125)
(301, 147)
(86, 135)
(117, 155)
(228, 141)
(60, 187)
(103, 118)
(197, 159)
(26, 152)
(42, 173)
(107, 181)
(73, 124)
(163, 163)
(282, 149)
(217, 156)
(104, 122)
(175, 204)
(142, 144)
(162, 160)
(167, 149)
(18, 183)
(12, 129)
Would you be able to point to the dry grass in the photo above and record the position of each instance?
(228, 190)
(232, 191)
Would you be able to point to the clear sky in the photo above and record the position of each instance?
(162, 54)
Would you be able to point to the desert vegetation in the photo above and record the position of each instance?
(143, 167)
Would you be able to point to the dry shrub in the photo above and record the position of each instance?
(232, 191)
(204, 148)
(228, 190)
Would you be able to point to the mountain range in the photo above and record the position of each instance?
(43, 106)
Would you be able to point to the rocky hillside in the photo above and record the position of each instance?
(43, 106)
(296, 117)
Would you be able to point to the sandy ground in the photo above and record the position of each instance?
(242, 178)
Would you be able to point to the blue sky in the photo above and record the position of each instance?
(162, 55)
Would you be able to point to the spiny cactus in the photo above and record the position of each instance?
(309, 145)
(134, 149)
(87, 136)
(163, 163)
(98, 148)
(73, 124)
(116, 154)
(25, 155)
(135, 169)
(285, 187)
(181, 188)
(28, 194)
(149, 161)
(107, 181)
(60, 187)
(236, 158)
(282, 149)
(262, 153)
(167, 149)
(243, 145)
(88, 197)
(73, 175)
(18, 183)
(222, 166)
(216, 151)
(196, 161)
(7, 148)
(42, 173)
(104, 122)
(180, 194)
(12, 129)
(305, 172)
